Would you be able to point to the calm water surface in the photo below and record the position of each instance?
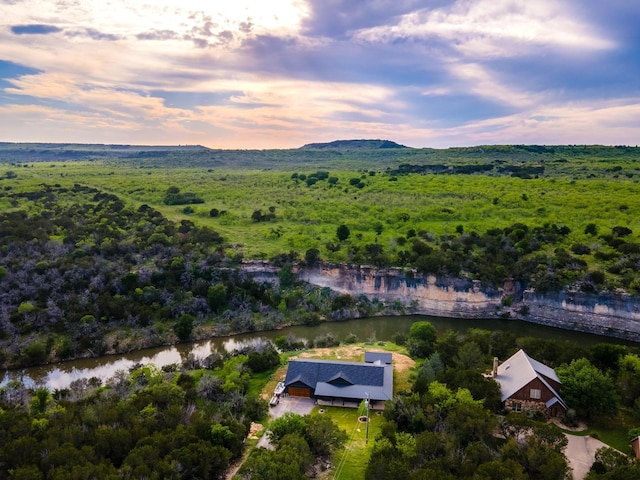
(375, 328)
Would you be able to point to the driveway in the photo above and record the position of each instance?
(581, 452)
(301, 406)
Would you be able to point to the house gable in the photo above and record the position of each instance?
(523, 379)
(536, 391)
(340, 379)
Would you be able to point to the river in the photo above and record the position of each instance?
(60, 375)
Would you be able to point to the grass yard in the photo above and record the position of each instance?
(259, 381)
(351, 462)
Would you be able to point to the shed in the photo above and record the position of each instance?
(383, 358)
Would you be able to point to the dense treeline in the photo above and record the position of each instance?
(533, 256)
(450, 425)
(76, 264)
(81, 273)
(145, 423)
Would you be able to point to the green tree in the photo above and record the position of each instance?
(606, 356)
(386, 462)
(41, 400)
(286, 424)
(628, 379)
(35, 354)
(312, 257)
(286, 276)
(184, 326)
(322, 435)
(612, 465)
(425, 376)
(217, 297)
(591, 229)
(469, 356)
(587, 390)
(422, 337)
(343, 232)
(424, 331)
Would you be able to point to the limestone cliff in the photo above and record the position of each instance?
(608, 314)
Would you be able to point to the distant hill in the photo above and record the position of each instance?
(53, 152)
(350, 144)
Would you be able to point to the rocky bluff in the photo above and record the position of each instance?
(610, 314)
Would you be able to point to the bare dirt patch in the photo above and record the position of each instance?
(255, 431)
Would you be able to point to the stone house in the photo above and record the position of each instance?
(528, 385)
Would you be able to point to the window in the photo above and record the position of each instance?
(535, 393)
(517, 407)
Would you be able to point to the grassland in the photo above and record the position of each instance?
(573, 192)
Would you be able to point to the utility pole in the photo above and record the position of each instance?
(366, 405)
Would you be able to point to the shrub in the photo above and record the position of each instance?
(580, 249)
(326, 340)
(351, 338)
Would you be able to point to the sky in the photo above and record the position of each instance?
(283, 73)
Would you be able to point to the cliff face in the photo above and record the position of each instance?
(616, 315)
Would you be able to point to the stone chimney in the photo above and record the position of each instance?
(494, 372)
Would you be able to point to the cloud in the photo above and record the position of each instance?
(34, 29)
(488, 28)
(606, 122)
(93, 34)
(160, 35)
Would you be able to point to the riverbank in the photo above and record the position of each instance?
(370, 330)
(607, 314)
(399, 292)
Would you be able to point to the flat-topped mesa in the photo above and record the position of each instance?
(353, 144)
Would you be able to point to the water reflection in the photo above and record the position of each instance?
(367, 329)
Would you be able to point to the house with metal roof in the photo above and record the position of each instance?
(340, 382)
(528, 385)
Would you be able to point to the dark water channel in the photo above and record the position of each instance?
(375, 329)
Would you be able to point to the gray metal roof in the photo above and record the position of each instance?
(382, 357)
(342, 379)
(520, 369)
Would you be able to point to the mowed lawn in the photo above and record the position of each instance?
(350, 462)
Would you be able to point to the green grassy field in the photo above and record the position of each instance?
(381, 212)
